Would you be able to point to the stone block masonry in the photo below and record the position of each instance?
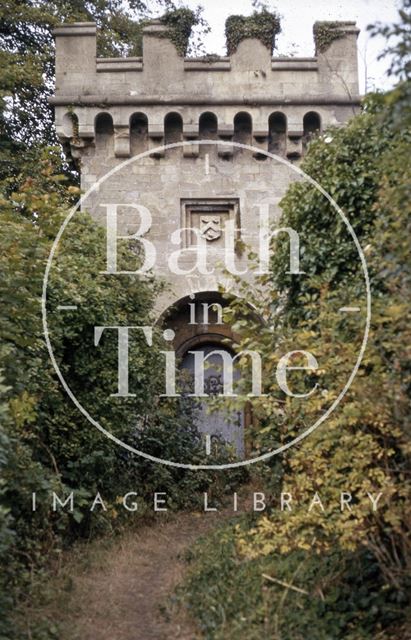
(109, 110)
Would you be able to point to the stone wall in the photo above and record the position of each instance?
(111, 110)
(224, 115)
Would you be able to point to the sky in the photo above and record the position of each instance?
(298, 17)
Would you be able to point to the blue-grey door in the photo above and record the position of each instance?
(228, 424)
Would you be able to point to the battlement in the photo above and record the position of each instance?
(249, 96)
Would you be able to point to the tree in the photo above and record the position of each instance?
(27, 60)
(400, 50)
(46, 444)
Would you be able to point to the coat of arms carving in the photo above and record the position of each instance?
(210, 227)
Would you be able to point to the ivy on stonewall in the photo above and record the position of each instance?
(325, 33)
(263, 25)
(179, 25)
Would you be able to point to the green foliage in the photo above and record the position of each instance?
(289, 596)
(180, 23)
(329, 255)
(6, 533)
(263, 25)
(51, 448)
(364, 445)
(325, 32)
(27, 59)
(400, 51)
(47, 445)
(179, 441)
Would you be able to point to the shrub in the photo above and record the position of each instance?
(289, 596)
(46, 444)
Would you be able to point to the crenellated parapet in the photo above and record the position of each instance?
(272, 103)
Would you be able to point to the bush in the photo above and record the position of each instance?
(289, 596)
(46, 444)
(352, 567)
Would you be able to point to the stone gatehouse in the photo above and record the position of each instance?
(110, 110)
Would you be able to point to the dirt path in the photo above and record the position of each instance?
(125, 597)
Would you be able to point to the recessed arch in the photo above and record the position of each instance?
(103, 123)
(277, 133)
(70, 124)
(311, 127)
(243, 128)
(208, 126)
(173, 127)
(138, 133)
(104, 131)
(312, 122)
(205, 337)
(178, 318)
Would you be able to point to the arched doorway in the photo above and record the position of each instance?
(198, 325)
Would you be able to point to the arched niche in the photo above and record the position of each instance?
(70, 125)
(208, 126)
(312, 122)
(173, 128)
(277, 133)
(138, 133)
(208, 130)
(243, 128)
(104, 132)
(311, 127)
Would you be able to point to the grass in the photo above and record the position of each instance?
(52, 601)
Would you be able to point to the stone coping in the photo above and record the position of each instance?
(138, 100)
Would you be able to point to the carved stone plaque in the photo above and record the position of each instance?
(209, 218)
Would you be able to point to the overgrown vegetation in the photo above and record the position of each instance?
(27, 59)
(46, 445)
(291, 596)
(262, 24)
(325, 32)
(180, 23)
(325, 570)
